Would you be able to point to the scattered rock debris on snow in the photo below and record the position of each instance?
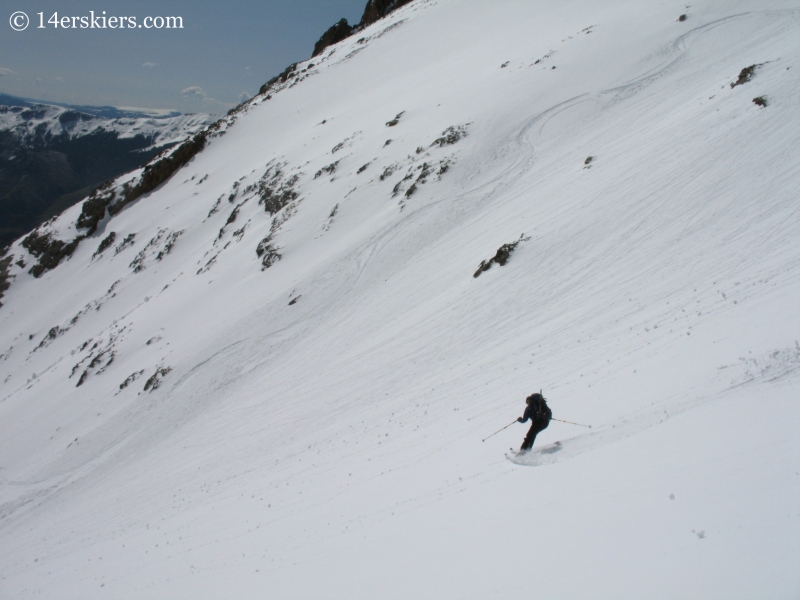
(103, 246)
(268, 252)
(215, 208)
(329, 170)
(130, 379)
(331, 217)
(760, 101)
(166, 240)
(50, 251)
(451, 135)
(345, 143)
(746, 75)
(387, 172)
(396, 120)
(155, 380)
(127, 242)
(100, 356)
(276, 190)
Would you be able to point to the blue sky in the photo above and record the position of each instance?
(224, 52)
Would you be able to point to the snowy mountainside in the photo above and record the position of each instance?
(267, 362)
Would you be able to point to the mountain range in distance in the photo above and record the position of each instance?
(53, 155)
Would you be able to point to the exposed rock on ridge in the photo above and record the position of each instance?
(335, 34)
(375, 10)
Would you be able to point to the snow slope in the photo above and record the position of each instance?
(313, 429)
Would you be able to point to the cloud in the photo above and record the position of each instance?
(4, 71)
(59, 79)
(194, 91)
(149, 65)
(244, 96)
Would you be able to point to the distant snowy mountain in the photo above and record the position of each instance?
(53, 156)
(262, 365)
(37, 124)
(108, 112)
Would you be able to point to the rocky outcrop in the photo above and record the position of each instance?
(377, 9)
(501, 256)
(283, 77)
(374, 11)
(5, 264)
(335, 34)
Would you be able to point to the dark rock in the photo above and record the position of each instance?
(130, 379)
(155, 380)
(329, 170)
(154, 174)
(128, 241)
(160, 170)
(396, 120)
(450, 136)
(501, 256)
(374, 11)
(280, 78)
(275, 191)
(746, 75)
(107, 241)
(48, 251)
(377, 9)
(387, 172)
(267, 251)
(94, 208)
(334, 35)
(5, 264)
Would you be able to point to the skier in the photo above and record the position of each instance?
(539, 414)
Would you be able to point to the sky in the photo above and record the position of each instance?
(221, 56)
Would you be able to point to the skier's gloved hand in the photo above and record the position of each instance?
(519, 419)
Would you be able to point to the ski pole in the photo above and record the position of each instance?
(571, 423)
(499, 430)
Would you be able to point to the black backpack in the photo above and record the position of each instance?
(540, 408)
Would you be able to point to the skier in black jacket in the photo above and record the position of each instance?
(539, 414)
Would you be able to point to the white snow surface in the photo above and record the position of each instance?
(331, 448)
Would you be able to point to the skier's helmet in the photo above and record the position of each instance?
(537, 397)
